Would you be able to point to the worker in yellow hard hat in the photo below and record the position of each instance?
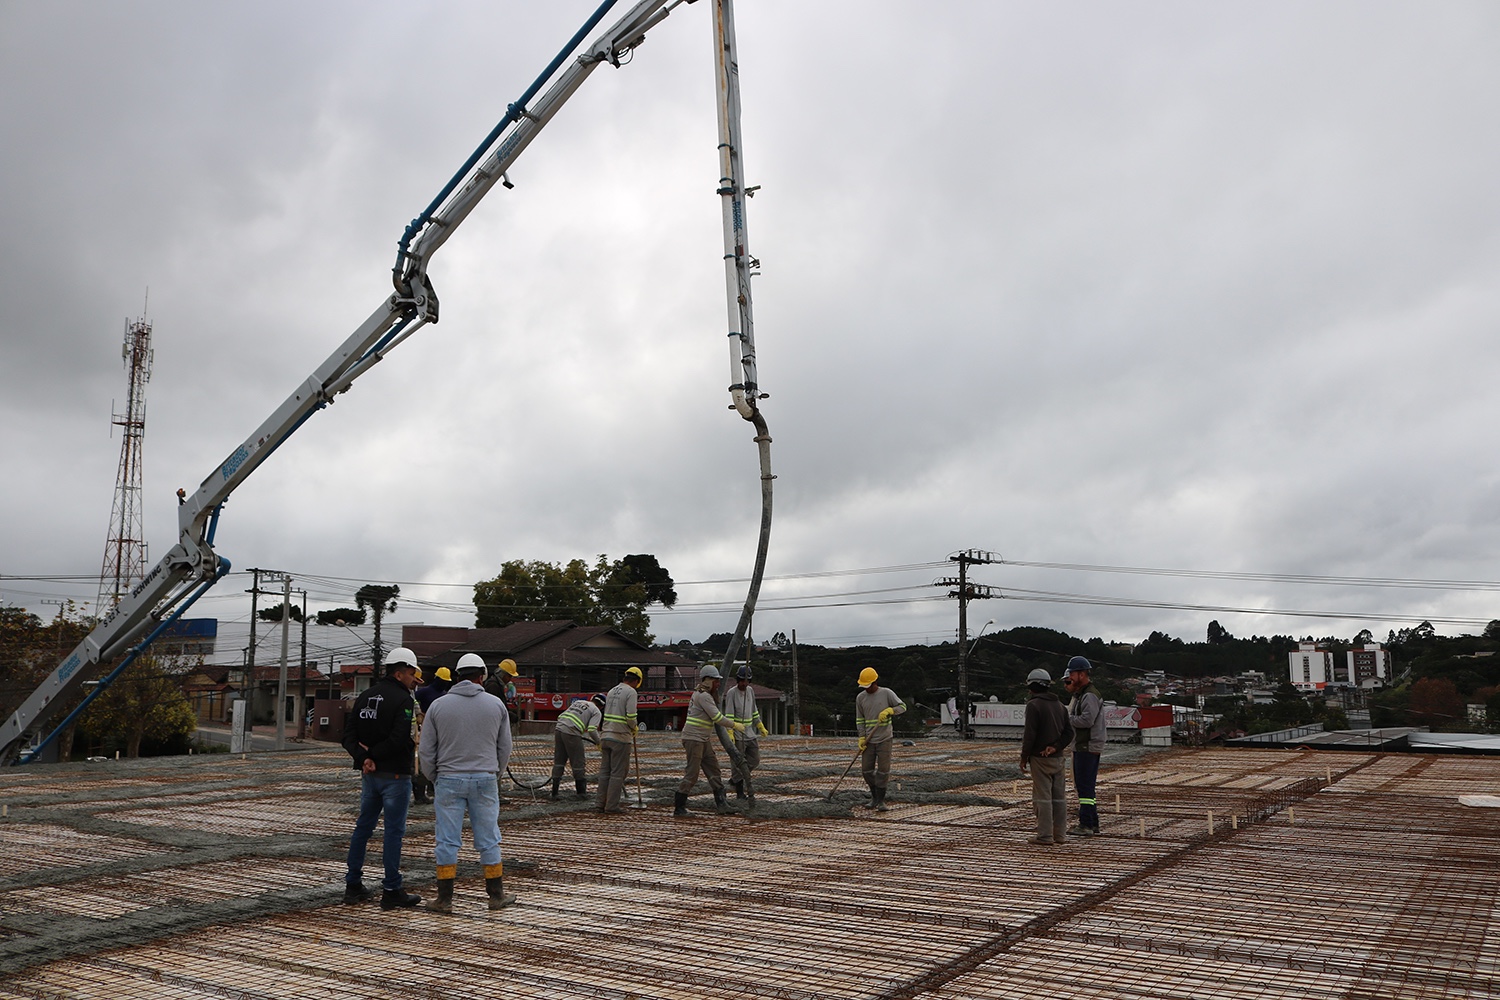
(874, 708)
(616, 738)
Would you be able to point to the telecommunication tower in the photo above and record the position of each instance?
(125, 551)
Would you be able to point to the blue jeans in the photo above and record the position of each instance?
(1085, 778)
(480, 795)
(377, 795)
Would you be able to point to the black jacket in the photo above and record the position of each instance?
(379, 728)
(1047, 725)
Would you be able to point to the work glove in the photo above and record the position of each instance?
(886, 715)
(862, 741)
(635, 727)
(760, 727)
(739, 727)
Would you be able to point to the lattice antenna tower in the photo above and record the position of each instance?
(125, 550)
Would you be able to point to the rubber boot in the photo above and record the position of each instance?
(581, 787)
(877, 799)
(721, 802)
(444, 901)
(679, 804)
(494, 887)
(739, 789)
(555, 782)
(399, 899)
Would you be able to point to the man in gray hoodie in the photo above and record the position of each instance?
(465, 745)
(1086, 715)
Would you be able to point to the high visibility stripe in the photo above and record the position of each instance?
(623, 720)
(495, 871)
(447, 871)
(1088, 802)
(705, 723)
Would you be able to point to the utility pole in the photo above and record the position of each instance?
(286, 628)
(796, 694)
(302, 695)
(247, 691)
(965, 593)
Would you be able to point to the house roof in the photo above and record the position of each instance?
(547, 644)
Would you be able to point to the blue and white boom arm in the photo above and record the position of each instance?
(192, 566)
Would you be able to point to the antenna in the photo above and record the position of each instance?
(125, 548)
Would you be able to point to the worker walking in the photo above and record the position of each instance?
(1086, 716)
(379, 736)
(465, 747)
(739, 705)
(616, 737)
(578, 722)
(1044, 740)
(874, 709)
(697, 741)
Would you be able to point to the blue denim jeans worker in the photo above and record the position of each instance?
(1085, 778)
(390, 796)
(480, 795)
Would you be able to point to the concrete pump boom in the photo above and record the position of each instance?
(192, 566)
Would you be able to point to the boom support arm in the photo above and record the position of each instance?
(192, 565)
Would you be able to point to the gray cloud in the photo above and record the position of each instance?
(1160, 285)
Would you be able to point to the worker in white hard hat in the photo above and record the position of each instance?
(465, 748)
(698, 741)
(739, 705)
(1044, 740)
(874, 709)
(379, 735)
(616, 738)
(576, 723)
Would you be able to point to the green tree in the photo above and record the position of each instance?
(340, 616)
(145, 702)
(381, 600)
(274, 614)
(614, 594)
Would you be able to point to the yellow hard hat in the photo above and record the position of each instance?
(634, 672)
(867, 677)
(443, 674)
(508, 666)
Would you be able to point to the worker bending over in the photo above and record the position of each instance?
(739, 705)
(578, 722)
(697, 741)
(874, 708)
(617, 736)
(465, 746)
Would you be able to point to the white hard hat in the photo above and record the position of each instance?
(708, 672)
(401, 655)
(470, 663)
(1038, 676)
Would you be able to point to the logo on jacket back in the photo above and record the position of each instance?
(372, 708)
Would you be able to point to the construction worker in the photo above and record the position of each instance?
(874, 708)
(578, 722)
(739, 705)
(465, 748)
(1086, 716)
(1044, 741)
(697, 741)
(442, 680)
(380, 736)
(616, 737)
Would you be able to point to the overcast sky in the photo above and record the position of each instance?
(1206, 287)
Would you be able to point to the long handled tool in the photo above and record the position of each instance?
(635, 752)
(836, 784)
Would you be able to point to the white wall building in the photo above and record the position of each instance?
(1311, 667)
(1369, 666)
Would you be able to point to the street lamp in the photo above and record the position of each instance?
(963, 682)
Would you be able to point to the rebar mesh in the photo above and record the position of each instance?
(1323, 875)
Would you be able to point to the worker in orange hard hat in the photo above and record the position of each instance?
(874, 708)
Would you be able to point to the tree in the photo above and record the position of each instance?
(381, 600)
(144, 702)
(274, 614)
(1435, 701)
(1218, 635)
(30, 651)
(608, 593)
